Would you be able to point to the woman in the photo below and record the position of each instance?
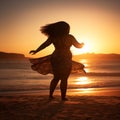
(61, 58)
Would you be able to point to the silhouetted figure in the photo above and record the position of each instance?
(61, 58)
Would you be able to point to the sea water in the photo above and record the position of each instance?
(17, 76)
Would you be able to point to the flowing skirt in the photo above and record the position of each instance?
(43, 65)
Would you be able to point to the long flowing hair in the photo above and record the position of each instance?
(56, 29)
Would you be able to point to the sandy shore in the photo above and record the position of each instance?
(38, 107)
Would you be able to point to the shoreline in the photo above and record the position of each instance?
(106, 91)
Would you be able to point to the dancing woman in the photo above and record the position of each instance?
(61, 58)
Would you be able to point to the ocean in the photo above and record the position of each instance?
(16, 76)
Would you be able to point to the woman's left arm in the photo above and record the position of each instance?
(76, 43)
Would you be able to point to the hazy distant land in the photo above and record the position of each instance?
(19, 56)
(12, 56)
(97, 56)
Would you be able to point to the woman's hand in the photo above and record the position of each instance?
(32, 52)
(82, 44)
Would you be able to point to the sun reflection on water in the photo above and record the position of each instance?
(84, 84)
(85, 90)
(83, 81)
(86, 64)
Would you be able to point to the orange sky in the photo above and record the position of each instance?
(94, 22)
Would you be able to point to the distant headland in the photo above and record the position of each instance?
(12, 56)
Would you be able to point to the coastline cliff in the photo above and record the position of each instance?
(11, 56)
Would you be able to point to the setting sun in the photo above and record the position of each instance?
(86, 48)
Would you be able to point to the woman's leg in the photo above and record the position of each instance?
(53, 85)
(63, 88)
(64, 78)
(63, 85)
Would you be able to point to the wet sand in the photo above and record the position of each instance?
(39, 107)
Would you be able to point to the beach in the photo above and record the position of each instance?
(39, 107)
(93, 96)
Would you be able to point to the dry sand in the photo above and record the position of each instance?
(38, 107)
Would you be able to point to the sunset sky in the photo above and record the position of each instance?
(94, 22)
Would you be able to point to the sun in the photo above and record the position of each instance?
(85, 49)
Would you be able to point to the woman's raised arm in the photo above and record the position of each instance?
(76, 43)
(42, 46)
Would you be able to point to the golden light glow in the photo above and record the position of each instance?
(83, 81)
(86, 48)
(96, 25)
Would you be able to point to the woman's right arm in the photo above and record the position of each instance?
(44, 45)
